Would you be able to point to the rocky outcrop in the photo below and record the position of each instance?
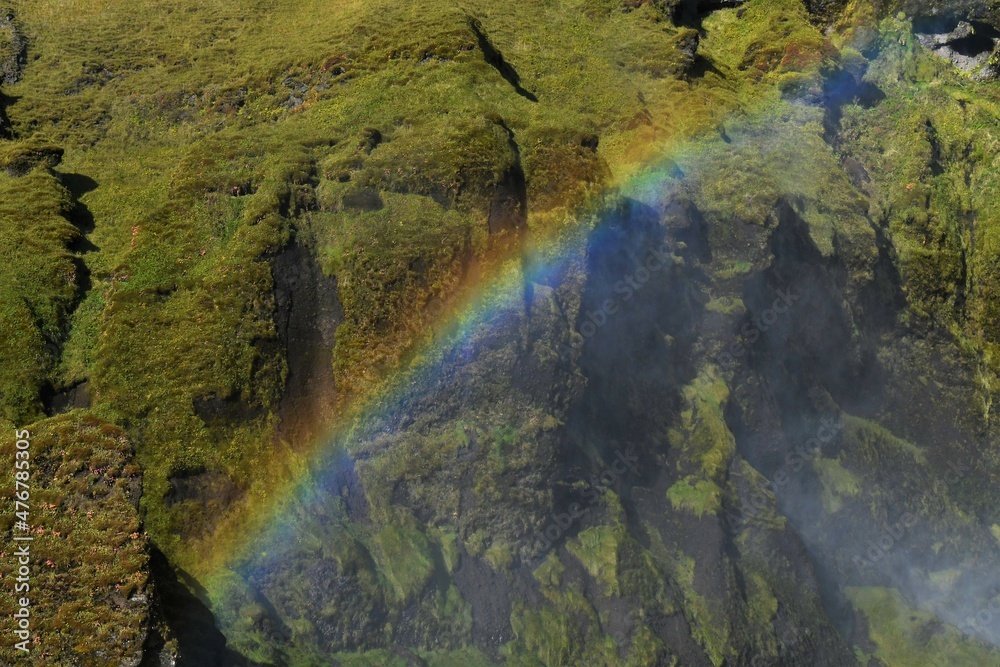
(720, 384)
(13, 50)
(307, 314)
(971, 48)
(943, 12)
(687, 444)
(687, 11)
(17, 158)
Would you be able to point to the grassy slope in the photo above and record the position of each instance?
(169, 110)
(90, 591)
(906, 636)
(37, 289)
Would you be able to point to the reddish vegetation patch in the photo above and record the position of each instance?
(796, 56)
(801, 56)
(88, 575)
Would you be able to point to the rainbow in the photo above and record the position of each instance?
(268, 524)
(498, 296)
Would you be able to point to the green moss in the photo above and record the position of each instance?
(193, 106)
(38, 286)
(906, 636)
(564, 634)
(469, 657)
(762, 512)
(648, 649)
(598, 549)
(404, 556)
(553, 637)
(740, 268)
(706, 442)
(838, 483)
(561, 169)
(931, 185)
(744, 178)
(500, 556)
(699, 496)
(18, 158)
(564, 630)
(873, 443)
(214, 132)
(447, 541)
(945, 580)
(707, 627)
(549, 574)
(372, 659)
(387, 273)
(181, 275)
(761, 602)
(726, 306)
(767, 40)
(90, 589)
(246, 613)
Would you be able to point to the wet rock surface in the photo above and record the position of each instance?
(971, 48)
(73, 398)
(307, 315)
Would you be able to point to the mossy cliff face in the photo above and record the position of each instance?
(740, 414)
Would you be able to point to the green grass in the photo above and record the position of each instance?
(706, 442)
(38, 287)
(931, 187)
(598, 550)
(173, 110)
(168, 111)
(906, 636)
(698, 496)
(706, 625)
(403, 554)
(90, 590)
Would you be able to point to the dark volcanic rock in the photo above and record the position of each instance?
(72, 398)
(688, 11)
(944, 12)
(307, 315)
(825, 9)
(13, 51)
(970, 47)
(213, 490)
(18, 158)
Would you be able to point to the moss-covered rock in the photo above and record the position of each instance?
(903, 635)
(267, 217)
(89, 591)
